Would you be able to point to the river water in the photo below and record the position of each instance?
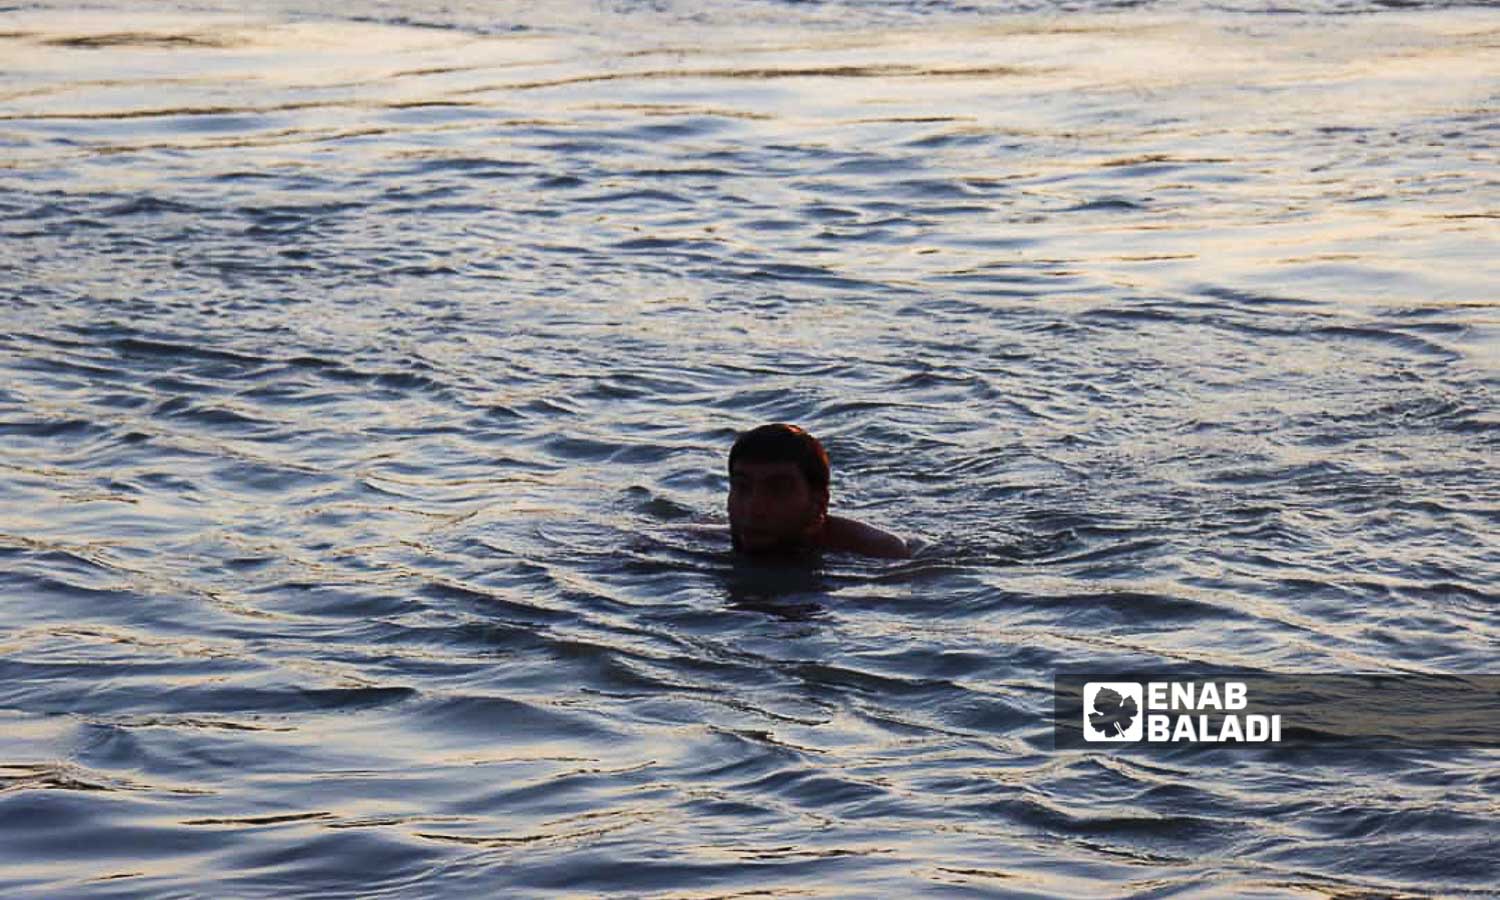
(367, 366)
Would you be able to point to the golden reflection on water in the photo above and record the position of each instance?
(1325, 69)
(1220, 90)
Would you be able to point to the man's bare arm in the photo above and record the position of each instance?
(857, 537)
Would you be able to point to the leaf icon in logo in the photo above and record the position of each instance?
(1112, 713)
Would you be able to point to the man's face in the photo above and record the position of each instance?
(772, 507)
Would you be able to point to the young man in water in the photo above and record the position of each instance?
(778, 499)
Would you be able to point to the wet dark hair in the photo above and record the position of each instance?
(779, 442)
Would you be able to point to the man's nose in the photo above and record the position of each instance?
(758, 505)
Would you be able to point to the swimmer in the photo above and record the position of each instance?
(778, 499)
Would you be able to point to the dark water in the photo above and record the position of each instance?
(366, 365)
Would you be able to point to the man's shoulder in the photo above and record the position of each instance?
(851, 535)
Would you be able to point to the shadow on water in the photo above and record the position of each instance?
(795, 591)
(789, 588)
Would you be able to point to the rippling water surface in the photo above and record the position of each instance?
(367, 364)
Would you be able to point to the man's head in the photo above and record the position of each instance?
(778, 488)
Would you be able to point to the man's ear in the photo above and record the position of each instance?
(823, 501)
